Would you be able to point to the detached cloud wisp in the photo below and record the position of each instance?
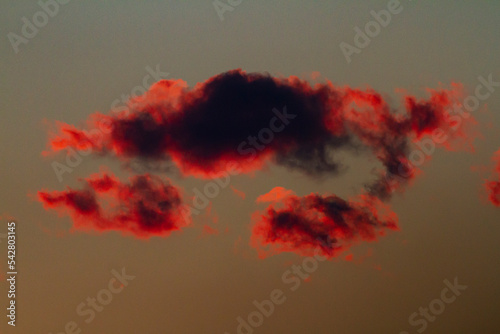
(493, 186)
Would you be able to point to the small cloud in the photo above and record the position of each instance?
(276, 194)
(238, 192)
(208, 230)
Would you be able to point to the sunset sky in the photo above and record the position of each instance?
(251, 166)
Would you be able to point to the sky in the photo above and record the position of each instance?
(250, 166)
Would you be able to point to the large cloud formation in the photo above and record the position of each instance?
(249, 120)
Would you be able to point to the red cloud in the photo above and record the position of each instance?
(253, 119)
(145, 207)
(274, 195)
(247, 120)
(326, 224)
(208, 230)
(493, 187)
(238, 192)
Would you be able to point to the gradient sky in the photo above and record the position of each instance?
(91, 52)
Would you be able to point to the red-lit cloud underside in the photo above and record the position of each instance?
(250, 120)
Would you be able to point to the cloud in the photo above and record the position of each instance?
(493, 186)
(250, 120)
(238, 192)
(146, 206)
(208, 230)
(254, 119)
(275, 194)
(326, 223)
